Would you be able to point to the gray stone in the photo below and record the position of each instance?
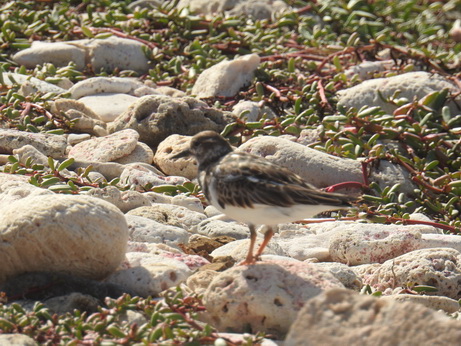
(156, 117)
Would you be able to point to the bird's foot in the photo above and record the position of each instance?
(250, 261)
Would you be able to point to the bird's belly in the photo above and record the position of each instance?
(262, 214)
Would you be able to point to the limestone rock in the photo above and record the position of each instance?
(48, 144)
(74, 234)
(164, 157)
(342, 317)
(227, 77)
(263, 297)
(124, 200)
(439, 267)
(156, 117)
(141, 153)
(106, 148)
(411, 85)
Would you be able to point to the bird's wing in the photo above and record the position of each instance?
(244, 180)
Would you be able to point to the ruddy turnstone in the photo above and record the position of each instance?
(251, 189)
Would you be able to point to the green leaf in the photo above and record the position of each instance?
(65, 164)
(424, 288)
(87, 32)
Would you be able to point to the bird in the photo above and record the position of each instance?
(252, 190)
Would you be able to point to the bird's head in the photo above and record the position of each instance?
(207, 147)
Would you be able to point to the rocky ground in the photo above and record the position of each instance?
(106, 236)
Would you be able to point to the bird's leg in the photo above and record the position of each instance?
(250, 259)
(267, 237)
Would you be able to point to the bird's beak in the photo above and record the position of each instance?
(183, 153)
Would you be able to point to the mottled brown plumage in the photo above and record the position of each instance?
(251, 189)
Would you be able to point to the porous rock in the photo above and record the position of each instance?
(17, 339)
(141, 153)
(30, 85)
(170, 214)
(148, 275)
(410, 85)
(108, 148)
(138, 176)
(344, 317)
(227, 77)
(263, 297)
(108, 106)
(143, 229)
(48, 144)
(439, 268)
(73, 234)
(165, 157)
(57, 53)
(238, 249)
(156, 117)
(216, 228)
(124, 200)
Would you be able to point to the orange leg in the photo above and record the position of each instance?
(267, 237)
(250, 259)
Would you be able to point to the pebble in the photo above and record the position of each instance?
(141, 153)
(124, 200)
(227, 77)
(156, 117)
(108, 106)
(439, 267)
(108, 148)
(48, 144)
(410, 85)
(138, 177)
(216, 228)
(143, 229)
(80, 235)
(148, 275)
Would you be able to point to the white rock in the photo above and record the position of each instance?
(165, 160)
(343, 317)
(190, 202)
(216, 228)
(48, 144)
(33, 84)
(124, 200)
(439, 267)
(75, 138)
(146, 230)
(14, 189)
(17, 339)
(28, 151)
(227, 77)
(437, 303)
(141, 153)
(366, 69)
(199, 281)
(410, 85)
(148, 275)
(103, 85)
(106, 148)
(108, 106)
(238, 249)
(251, 108)
(118, 53)
(263, 297)
(79, 235)
(138, 177)
(57, 53)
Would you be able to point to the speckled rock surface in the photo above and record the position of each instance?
(141, 153)
(48, 144)
(79, 235)
(263, 297)
(106, 148)
(227, 77)
(17, 340)
(147, 274)
(412, 84)
(216, 228)
(342, 317)
(440, 268)
(124, 200)
(137, 176)
(156, 117)
(146, 230)
(164, 157)
(436, 303)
